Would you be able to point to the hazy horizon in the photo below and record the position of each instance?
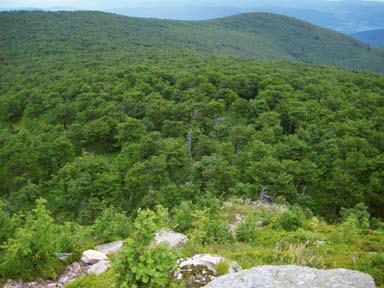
(116, 4)
(346, 16)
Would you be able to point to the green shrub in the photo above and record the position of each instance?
(111, 225)
(31, 252)
(376, 223)
(210, 226)
(144, 266)
(312, 224)
(8, 224)
(247, 230)
(302, 236)
(148, 222)
(75, 238)
(139, 263)
(182, 217)
(244, 190)
(290, 220)
(348, 231)
(360, 212)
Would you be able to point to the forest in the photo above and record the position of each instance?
(94, 140)
(261, 36)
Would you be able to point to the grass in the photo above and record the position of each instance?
(365, 255)
(315, 244)
(94, 281)
(283, 248)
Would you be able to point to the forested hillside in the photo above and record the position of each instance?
(101, 115)
(255, 35)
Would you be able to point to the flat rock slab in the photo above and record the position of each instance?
(200, 269)
(92, 257)
(170, 237)
(215, 260)
(291, 276)
(71, 272)
(110, 248)
(99, 268)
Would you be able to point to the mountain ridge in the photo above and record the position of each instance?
(263, 36)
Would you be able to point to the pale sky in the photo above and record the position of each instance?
(109, 4)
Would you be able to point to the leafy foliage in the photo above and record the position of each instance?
(31, 252)
(139, 263)
(111, 225)
(8, 223)
(360, 212)
(291, 219)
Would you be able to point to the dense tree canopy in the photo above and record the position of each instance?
(127, 128)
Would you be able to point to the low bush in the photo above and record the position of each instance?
(144, 266)
(247, 230)
(111, 225)
(210, 226)
(31, 252)
(8, 224)
(290, 220)
(139, 263)
(182, 217)
(348, 231)
(360, 212)
(75, 238)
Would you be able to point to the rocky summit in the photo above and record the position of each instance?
(291, 276)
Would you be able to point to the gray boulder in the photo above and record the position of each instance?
(99, 267)
(215, 260)
(292, 276)
(110, 248)
(200, 269)
(92, 257)
(71, 272)
(170, 237)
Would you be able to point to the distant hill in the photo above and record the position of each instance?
(375, 38)
(343, 16)
(255, 35)
(181, 13)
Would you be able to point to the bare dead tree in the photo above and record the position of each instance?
(189, 144)
(264, 197)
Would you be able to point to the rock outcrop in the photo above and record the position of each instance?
(92, 256)
(170, 237)
(110, 248)
(292, 276)
(99, 268)
(70, 273)
(201, 269)
(98, 260)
